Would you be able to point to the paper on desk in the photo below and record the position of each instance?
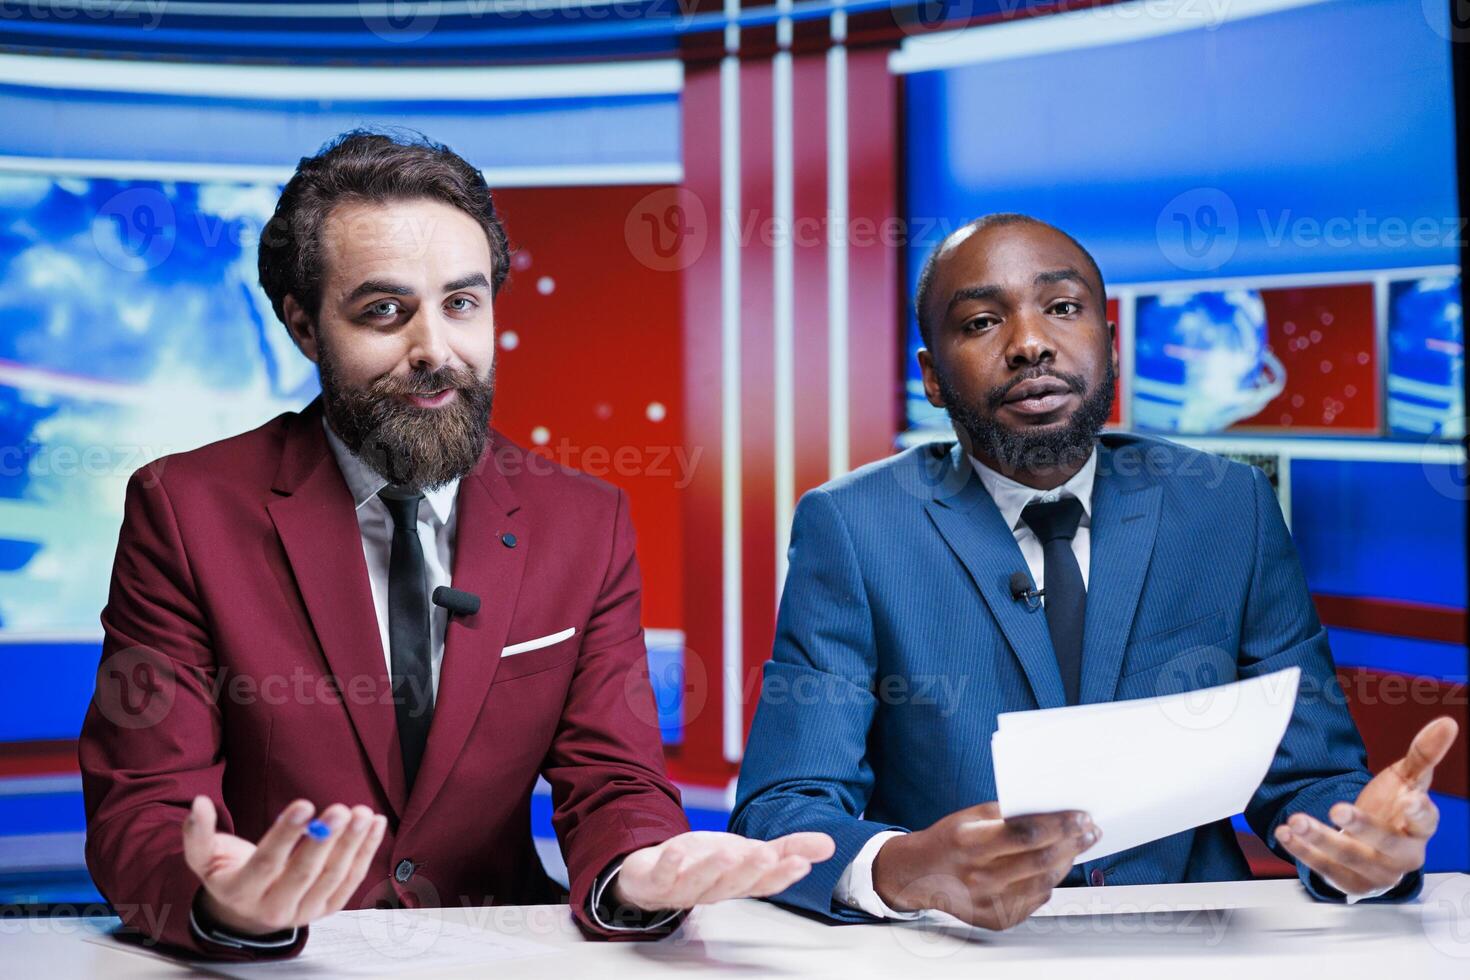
(376, 944)
(1148, 768)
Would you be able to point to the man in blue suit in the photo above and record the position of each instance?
(904, 631)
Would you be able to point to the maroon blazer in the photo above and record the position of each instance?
(242, 660)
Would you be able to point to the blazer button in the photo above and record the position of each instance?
(404, 871)
(1096, 877)
(508, 539)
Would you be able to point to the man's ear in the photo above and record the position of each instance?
(931, 379)
(301, 326)
(1113, 346)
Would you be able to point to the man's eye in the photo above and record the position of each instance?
(462, 304)
(383, 308)
(1065, 307)
(980, 323)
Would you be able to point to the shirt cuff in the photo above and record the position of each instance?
(606, 918)
(855, 888)
(1354, 898)
(212, 932)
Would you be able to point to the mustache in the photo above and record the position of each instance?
(423, 382)
(997, 395)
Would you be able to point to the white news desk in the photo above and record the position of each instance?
(1251, 930)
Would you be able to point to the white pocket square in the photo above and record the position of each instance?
(538, 643)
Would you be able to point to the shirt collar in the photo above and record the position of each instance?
(364, 482)
(1012, 497)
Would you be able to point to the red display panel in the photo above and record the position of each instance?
(1324, 338)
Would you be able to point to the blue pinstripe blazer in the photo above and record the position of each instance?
(898, 643)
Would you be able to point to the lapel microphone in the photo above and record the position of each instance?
(1020, 589)
(457, 601)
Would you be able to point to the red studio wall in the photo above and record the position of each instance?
(589, 360)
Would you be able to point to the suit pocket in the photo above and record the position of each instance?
(549, 639)
(1177, 640)
(536, 655)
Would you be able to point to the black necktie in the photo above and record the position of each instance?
(408, 630)
(1055, 525)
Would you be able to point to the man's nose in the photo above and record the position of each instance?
(428, 343)
(1030, 340)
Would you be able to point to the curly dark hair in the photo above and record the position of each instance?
(374, 166)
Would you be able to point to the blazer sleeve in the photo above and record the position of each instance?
(806, 765)
(610, 794)
(151, 738)
(1321, 759)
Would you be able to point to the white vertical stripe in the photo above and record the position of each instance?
(1380, 344)
(1283, 487)
(837, 268)
(783, 287)
(1127, 353)
(733, 708)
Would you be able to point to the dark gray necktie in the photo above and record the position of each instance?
(1055, 525)
(408, 630)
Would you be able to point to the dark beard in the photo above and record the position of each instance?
(1032, 449)
(415, 448)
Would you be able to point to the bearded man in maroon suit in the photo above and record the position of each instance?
(340, 648)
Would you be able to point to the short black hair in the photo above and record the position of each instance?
(997, 220)
(375, 166)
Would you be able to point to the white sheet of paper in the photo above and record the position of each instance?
(378, 944)
(1148, 768)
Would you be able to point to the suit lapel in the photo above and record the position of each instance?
(317, 525)
(1125, 519)
(486, 509)
(970, 522)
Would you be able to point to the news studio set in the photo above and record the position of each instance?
(989, 473)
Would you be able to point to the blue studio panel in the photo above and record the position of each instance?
(1356, 524)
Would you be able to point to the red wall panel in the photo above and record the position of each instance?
(597, 341)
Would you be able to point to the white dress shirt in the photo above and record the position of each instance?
(855, 888)
(436, 535)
